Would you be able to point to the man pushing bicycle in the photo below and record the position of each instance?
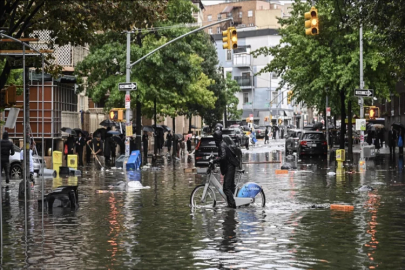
(227, 162)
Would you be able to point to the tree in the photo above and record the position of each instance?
(74, 21)
(386, 20)
(313, 65)
(232, 87)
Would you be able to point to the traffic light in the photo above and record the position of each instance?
(234, 38)
(374, 112)
(226, 39)
(117, 115)
(371, 112)
(230, 39)
(289, 97)
(312, 22)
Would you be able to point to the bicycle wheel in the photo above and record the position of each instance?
(196, 197)
(260, 200)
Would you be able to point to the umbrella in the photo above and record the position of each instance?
(101, 131)
(178, 137)
(379, 126)
(69, 131)
(193, 127)
(166, 128)
(107, 123)
(113, 132)
(398, 125)
(83, 132)
(148, 128)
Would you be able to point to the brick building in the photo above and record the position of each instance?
(245, 14)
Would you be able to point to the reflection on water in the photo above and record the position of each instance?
(155, 228)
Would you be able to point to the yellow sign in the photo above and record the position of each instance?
(128, 131)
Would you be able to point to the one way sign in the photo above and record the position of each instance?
(364, 92)
(127, 86)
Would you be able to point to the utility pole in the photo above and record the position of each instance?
(362, 162)
(128, 112)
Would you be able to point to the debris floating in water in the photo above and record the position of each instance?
(341, 207)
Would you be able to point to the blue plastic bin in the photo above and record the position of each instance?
(134, 161)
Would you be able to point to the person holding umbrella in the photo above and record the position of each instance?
(392, 140)
(69, 146)
(169, 138)
(88, 150)
(145, 140)
(80, 141)
(266, 135)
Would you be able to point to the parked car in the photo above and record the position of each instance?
(292, 140)
(206, 146)
(16, 166)
(312, 143)
(237, 135)
(259, 131)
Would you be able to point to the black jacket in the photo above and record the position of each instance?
(7, 150)
(225, 158)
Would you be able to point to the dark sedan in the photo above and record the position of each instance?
(206, 146)
(312, 143)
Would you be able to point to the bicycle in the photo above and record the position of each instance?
(204, 196)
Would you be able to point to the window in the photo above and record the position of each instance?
(250, 13)
(218, 30)
(209, 18)
(245, 75)
(210, 31)
(245, 98)
(313, 136)
(219, 17)
(228, 55)
(240, 14)
(229, 14)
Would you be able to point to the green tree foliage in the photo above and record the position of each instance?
(231, 88)
(74, 21)
(386, 18)
(179, 76)
(310, 65)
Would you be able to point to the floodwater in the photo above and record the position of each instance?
(156, 229)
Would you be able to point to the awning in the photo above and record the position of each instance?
(228, 9)
(289, 113)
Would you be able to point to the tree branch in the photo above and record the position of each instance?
(35, 11)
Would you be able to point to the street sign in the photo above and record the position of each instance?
(361, 124)
(328, 111)
(127, 86)
(364, 92)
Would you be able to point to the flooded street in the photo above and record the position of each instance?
(154, 228)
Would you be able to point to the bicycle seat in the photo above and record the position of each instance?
(241, 171)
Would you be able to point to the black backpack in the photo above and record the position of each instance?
(232, 157)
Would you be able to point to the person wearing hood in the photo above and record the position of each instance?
(7, 150)
(227, 163)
